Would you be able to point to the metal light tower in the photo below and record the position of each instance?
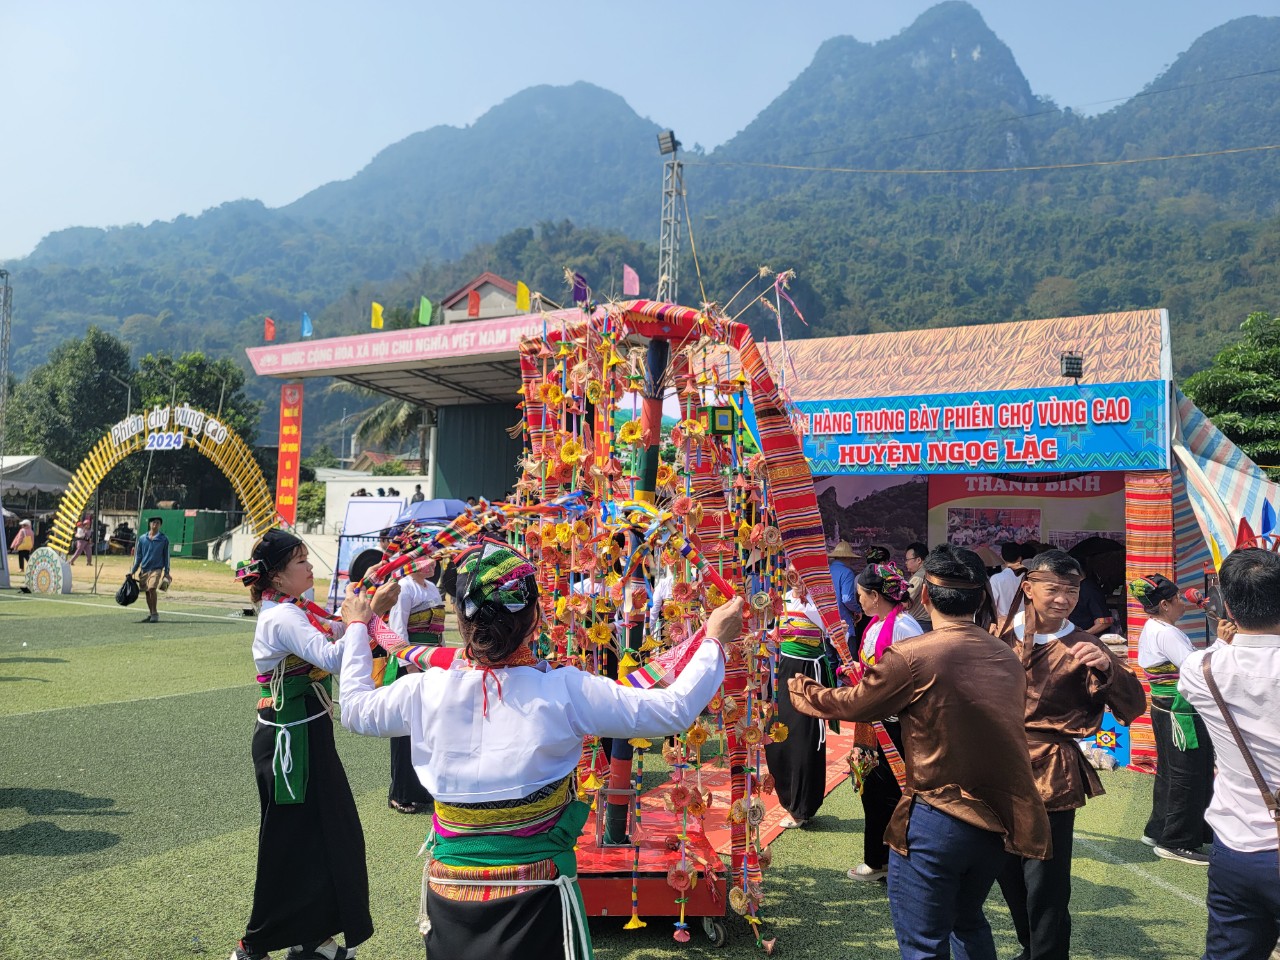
(6, 308)
(669, 242)
(6, 311)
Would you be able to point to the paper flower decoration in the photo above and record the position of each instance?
(779, 732)
(697, 806)
(737, 811)
(680, 796)
(680, 877)
(738, 901)
(730, 710)
(666, 474)
(682, 592)
(631, 432)
(571, 452)
(599, 633)
(594, 391)
(681, 505)
(755, 813)
(696, 736)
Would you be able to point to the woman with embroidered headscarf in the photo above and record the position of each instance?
(496, 737)
(799, 763)
(883, 591)
(1184, 753)
(311, 880)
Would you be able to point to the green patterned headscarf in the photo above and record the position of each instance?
(492, 574)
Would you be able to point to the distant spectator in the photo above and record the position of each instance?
(23, 542)
(1092, 615)
(83, 539)
(417, 494)
(916, 553)
(382, 491)
(471, 501)
(1244, 895)
(152, 559)
(1004, 585)
(392, 492)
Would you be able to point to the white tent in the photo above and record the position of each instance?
(19, 475)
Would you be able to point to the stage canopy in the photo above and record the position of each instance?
(22, 475)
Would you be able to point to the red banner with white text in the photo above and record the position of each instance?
(288, 464)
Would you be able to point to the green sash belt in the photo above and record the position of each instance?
(1183, 714)
(291, 760)
(504, 850)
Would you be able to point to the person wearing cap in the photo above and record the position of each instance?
(23, 542)
(841, 558)
(1184, 752)
(1071, 679)
(496, 739)
(970, 795)
(311, 880)
(151, 558)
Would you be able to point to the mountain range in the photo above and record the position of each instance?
(573, 172)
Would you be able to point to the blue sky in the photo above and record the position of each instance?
(136, 110)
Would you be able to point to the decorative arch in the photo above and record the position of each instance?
(158, 429)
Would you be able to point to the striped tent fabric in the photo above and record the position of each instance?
(1149, 545)
(1223, 485)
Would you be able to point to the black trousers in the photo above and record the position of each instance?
(405, 785)
(799, 763)
(1039, 892)
(1183, 784)
(880, 796)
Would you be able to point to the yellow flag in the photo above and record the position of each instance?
(522, 297)
(376, 320)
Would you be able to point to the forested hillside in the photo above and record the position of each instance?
(569, 176)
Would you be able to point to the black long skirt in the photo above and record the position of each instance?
(311, 881)
(880, 796)
(799, 763)
(521, 927)
(405, 785)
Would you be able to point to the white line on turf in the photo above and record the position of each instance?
(1103, 854)
(112, 703)
(125, 610)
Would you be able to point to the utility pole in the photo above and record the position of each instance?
(669, 241)
(6, 318)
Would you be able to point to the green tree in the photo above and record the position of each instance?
(66, 405)
(311, 502)
(215, 386)
(392, 468)
(321, 457)
(1241, 391)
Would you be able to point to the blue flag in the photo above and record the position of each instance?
(306, 324)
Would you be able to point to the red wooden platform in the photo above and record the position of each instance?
(604, 873)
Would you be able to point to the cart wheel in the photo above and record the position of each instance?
(715, 931)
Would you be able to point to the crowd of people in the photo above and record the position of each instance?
(960, 793)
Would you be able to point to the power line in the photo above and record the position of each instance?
(973, 170)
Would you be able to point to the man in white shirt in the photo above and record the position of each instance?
(1004, 585)
(1244, 868)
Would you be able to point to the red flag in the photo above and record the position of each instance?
(268, 329)
(630, 282)
(473, 303)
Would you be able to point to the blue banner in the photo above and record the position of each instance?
(1113, 426)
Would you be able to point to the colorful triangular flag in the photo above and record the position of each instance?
(268, 329)
(1244, 535)
(473, 303)
(630, 282)
(522, 297)
(1268, 518)
(424, 312)
(306, 324)
(375, 320)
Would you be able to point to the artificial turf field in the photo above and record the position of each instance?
(128, 816)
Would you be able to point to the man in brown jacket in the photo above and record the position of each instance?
(1071, 678)
(970, 796)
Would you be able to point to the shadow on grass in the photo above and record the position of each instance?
(48, 803)
(36, 679)
(44, 839)
(20, 659)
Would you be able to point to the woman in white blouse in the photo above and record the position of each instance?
(883, 591)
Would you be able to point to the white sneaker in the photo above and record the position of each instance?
(790, 823)
(866, 874)
(154, 618)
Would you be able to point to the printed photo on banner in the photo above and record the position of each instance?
(974, 527)
(890, 512)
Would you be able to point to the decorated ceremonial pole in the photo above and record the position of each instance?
(646, 492)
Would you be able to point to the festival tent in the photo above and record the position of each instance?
(31, 474)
